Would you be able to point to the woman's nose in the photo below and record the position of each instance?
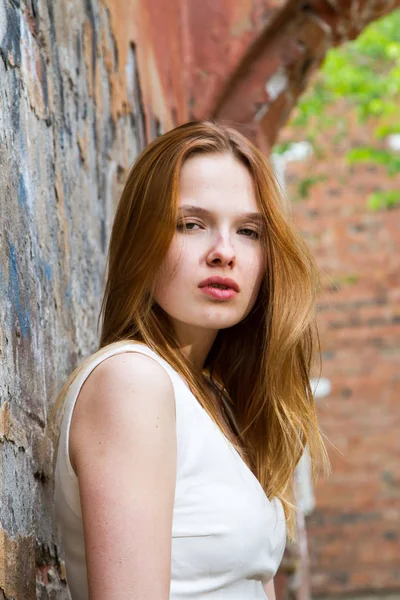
(222, 250)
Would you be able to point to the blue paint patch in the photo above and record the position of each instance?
(47, 270)
(14, 294)
(22, 193)
(61, 134)
(68, 295)
(92, 20)
(11, 42)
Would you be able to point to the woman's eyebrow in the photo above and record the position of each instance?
(258, 217)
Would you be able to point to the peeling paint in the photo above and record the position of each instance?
(65, 144)
(33, 72)
(10, 40)
(15, 295)
(10, 430)
(17, 583)
(276, 84)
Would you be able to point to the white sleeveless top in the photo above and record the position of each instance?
(227, 537)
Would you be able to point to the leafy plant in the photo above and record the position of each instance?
(388, 199)
(366, 154)
(303, 187)
(283, 147)
(366, 73)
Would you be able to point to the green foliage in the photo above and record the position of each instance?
(366, 72)
(379, 200)
(303, 187)
(344, 280)
(384, 130)
(283, 147)
(367, 154)
(314, 105)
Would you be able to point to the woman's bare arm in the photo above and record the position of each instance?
(123, 448)
(270, 589)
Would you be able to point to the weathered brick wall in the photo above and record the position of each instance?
(354, 532)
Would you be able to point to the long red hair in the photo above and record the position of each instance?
(262, 364)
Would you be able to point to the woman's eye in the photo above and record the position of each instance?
(252, 232)
(188, 226)
(184, 225)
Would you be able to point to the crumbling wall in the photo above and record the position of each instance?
(64, 147)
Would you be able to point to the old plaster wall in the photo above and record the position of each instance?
(67, 134)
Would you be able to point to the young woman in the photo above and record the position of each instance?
(179, 437)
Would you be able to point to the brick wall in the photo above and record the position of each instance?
(354, 532)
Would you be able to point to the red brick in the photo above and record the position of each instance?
(354, 533)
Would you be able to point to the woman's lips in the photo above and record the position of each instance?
(218, 293)
(218, 280)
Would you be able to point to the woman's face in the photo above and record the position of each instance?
(213, 238)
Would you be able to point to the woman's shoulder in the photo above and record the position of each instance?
(114, 356)
(129, 368)
(123, 387)
(132, 365)
(123, 363)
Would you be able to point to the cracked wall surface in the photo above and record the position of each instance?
(83, 86)
(67, 136)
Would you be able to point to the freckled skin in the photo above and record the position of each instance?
(218, 245)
